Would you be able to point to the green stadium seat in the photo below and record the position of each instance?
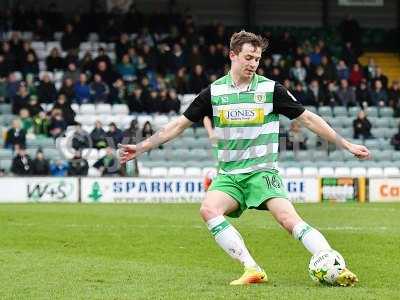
(302, 156)
(158, 155)
(382, 122)
(337, 155)
(394, 122)
(372, 144)
(396, 156)
(385, 144)
(6, 154)
(378, 132)
(180, 155)
(286, 156)
(389, 132)
(325, 111)
(189, 132)
(311, 108)
(5, 108)
(201, 132)
(386, 112)
(199, 155)
(6, 164)
(385, 155)
(6, 119)
(371, 111)
(340, 111)
(347, 132)
(353, 111)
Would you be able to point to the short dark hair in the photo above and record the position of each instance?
(242, 37)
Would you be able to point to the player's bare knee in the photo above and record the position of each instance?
(208, 212)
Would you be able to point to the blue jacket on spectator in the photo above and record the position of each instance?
(82, 92)
(59, 168)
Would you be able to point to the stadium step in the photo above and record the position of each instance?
(389, 62)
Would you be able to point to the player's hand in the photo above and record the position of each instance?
(360, 151)
(127, 152)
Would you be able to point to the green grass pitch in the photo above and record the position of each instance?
(163, 251)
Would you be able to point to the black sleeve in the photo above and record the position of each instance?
(200, 107)
(285, 103)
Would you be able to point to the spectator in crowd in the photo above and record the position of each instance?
(297, 140)
(33, 106)
(54, 61)
(349, 54)
(47, 91)
(362, 126)
(59, 168)
(298, 72)
(301, 95)
(382, 78)
(122, 46)
(331, 98)
(147, 130)
(72, 72)
(117, 92)
(20, 100)
(86, 64)
(82, 89)
(315, 95)
(98, 136)
(40, 165)
(103, 57)
(81, 138)
(22, 163)
(65, 107)
(31, 84)
(30, 65)
(395, 141)
(12, 86)
(98, 90)
(107, 74)
(379, 95)
(68, 89)
(41, 31)
(316, 55)
(135, 101)
(78, 166)
(15, 135)
(342, 70)
(108, 165)
(69, 40)
(9, 57)
(351, 31)
(394, 94)
(197, 80)
(26, 120)
(41, 124)
(346, 94)
(363, 94)
(114, 135)
(356, 75)
(57, 124)
(181, 81)
(132, 134)
(370, 69)
(126, 68)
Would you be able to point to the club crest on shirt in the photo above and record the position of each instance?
(260, 98)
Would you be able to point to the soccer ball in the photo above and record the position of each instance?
(325, 266)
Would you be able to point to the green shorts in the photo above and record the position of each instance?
(250, 190)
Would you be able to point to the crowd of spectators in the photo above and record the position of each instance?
(154, 59)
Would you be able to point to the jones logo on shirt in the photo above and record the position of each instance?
(242, 116)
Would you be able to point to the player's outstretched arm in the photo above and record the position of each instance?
(316, 124)
(167, 133)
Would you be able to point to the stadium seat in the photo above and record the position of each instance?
(396, 156)
(94, 172)
(342, 172)
(340, 111)
(6, 119)
(87, 109)
(103, 108)
(293, 172)
(389, 132)
(6, 154)
(201, 132)
(188, 133)
(394, 123)
(391, 172)
(375, 172)
(372, 112)
(158, 172)
(378, 132)
(372, 144)
(326, 172)
(381, 155)
(312, 109)
(144, 172)
(353, 111)
(358, 172)
(160, 121)
(310, 172)
(325, 111)
(336, 155)
(88, 120)
(5, 108)
(381, 122)
(180, 155)
(176, 171)
(386, 112)
(193, 172)
(120, 109)
(5, 163)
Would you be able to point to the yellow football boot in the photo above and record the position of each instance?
(251, 275)
(347, 278)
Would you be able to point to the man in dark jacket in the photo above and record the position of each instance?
(108, 165)
(22, 163)
(78, 166)
(40, 165)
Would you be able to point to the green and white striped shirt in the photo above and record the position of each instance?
(246, 122)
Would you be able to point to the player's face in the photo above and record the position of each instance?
(246, 62)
